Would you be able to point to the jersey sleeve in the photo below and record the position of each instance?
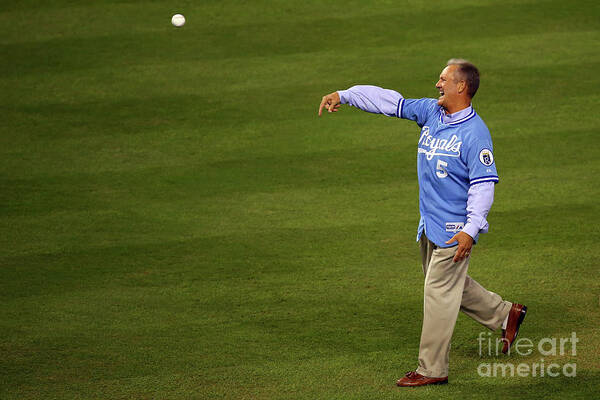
(479, 157)
(372, 99)
(418, 110)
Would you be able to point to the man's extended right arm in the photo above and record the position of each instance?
(368, 98)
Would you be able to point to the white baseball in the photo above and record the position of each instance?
(178, 20)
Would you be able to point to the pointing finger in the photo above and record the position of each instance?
(323, 102)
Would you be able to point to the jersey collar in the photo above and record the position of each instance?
(458, 117)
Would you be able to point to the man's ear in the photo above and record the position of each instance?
(462, 86)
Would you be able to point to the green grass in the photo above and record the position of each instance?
(176, 221)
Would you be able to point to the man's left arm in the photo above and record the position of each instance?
(479, 158)
(479, 202)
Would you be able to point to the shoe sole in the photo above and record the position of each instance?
(432, 383)
(519, 322)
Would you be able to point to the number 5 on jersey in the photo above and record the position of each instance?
(441, 169)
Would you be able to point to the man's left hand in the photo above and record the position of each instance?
(465, 243)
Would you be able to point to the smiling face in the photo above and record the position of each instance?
(452, 90)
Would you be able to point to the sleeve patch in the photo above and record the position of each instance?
(486, 157)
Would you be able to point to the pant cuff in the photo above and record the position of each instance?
(503, 315)
(432, 373)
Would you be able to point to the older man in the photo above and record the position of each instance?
(457, 174)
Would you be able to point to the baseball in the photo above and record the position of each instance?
(178, 20)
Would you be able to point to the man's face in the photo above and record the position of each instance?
(449, 87)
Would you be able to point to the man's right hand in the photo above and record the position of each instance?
(331, 102)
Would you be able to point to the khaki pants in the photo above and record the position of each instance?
(448, 288)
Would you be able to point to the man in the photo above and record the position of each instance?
(457, 174)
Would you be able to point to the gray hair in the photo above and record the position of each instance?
(468, 72)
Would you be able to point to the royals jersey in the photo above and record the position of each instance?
(451, 157)
(453, 154)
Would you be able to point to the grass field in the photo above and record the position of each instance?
(176, 221)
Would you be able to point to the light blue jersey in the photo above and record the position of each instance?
(451, 157)
(454, 153)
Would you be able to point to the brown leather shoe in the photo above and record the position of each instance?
(516, 316)
(413, 379)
